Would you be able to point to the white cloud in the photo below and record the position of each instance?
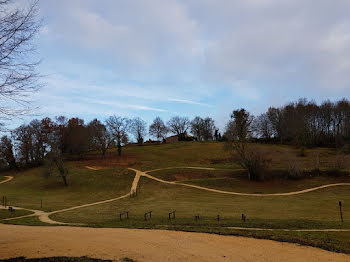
(146, 54)
(124, 105)
(186, 101)
(45, 30)
(280, 43)
(137, 32)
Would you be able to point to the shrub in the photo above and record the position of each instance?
(295, 171)
(256, 164)
(346, 149)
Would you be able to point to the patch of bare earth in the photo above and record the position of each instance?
(98, 162)
(150, 245)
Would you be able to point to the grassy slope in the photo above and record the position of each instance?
(319, 207)
(236, 181)
(211, 154)
(274, 186)
(85, 186)
(180, 154)
(312, 210)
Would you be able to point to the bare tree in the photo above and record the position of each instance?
(158, 129)
(23, 137)
(178, 125)
(138, 128)
(118, 126)
(197, 127)
(55, 161)
(208, 129)
(263, 126)
(275, 116)
(238, 131)
(18, 76)
(203, 129)
(101, 139)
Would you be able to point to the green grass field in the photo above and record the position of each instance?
(318, 209)
(237, 181)
(7, 214)
(28, 188)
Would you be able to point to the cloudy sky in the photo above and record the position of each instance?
(190, 57)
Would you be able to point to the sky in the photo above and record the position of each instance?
(189, 57)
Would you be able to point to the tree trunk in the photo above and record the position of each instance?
(119, 149)
(64, 180)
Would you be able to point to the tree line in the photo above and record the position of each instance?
(31, 144)
(302, 123)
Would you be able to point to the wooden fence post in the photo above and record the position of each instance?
(124, 213)
(341, 212)
(172, 213)
(4, 201)
(150, 215)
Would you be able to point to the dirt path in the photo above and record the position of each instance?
(136, 180)
(151, 245)
(9, 178)
(145, 173)
(91, 168)
(44, 216)
(183, 167)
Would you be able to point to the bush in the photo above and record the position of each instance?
(346, 149)
(302, 152)
(185, 137)
(295, 171)
(256, 165)
(338, 162)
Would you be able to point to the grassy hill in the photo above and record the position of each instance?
(212, 154)
(317, 209)
(29, 187)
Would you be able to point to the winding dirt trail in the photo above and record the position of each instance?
(9, 178)
(44, 216)
(91, 168)
(151, 245)
(146, 174)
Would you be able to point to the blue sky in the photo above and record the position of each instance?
(189, 57)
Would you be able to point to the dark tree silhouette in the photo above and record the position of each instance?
(118, 127)
(138, 128)
(178, 125)
(158, 129)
